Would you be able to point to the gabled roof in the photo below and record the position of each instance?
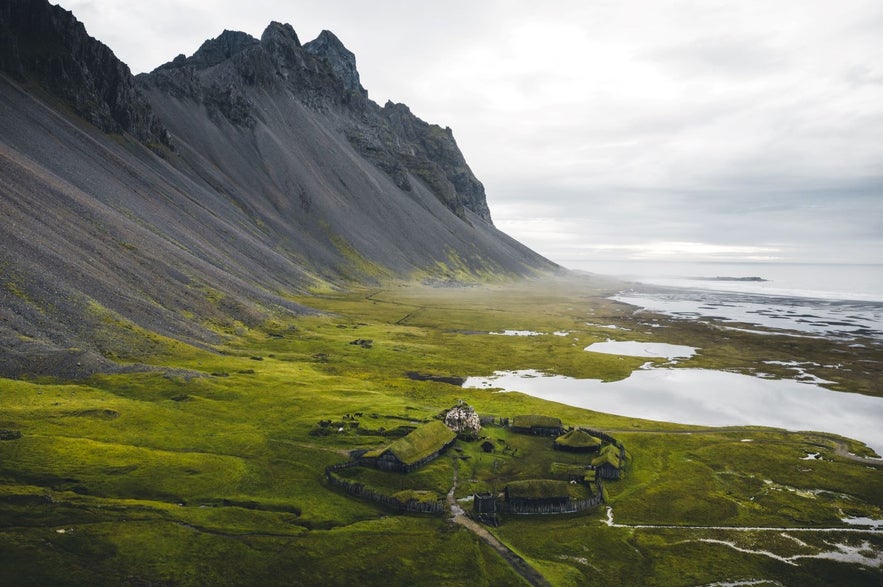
(607, 457)
(567, 469)
(538, 489)
(419, 443)
(535, 421)
(578, 438)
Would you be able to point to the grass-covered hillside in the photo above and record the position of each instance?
(207, 467)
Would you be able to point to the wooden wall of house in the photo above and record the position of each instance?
(361, 490)
(569, 506)
(538, 431)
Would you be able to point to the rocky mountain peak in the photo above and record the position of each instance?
(322, 76)
(225, 46)
(46, 44)
(281, 34)
(341, 60)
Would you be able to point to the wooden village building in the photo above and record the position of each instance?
(484, 507)
(578, 440)
(537, 425)
(411, 452)
(549, 496)
(608, 464)
(537, 496)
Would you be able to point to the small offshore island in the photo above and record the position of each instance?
(747, 279)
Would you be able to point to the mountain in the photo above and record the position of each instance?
(204, 194)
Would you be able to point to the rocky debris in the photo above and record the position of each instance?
(47, 44)
(449, 379)
(463, 420)
(365, 343)
(109, 250)
(34, 358)
(10, 434)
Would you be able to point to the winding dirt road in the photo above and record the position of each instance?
(518, 564)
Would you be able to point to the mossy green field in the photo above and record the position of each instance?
(206, 466)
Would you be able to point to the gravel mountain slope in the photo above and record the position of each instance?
(197, 197)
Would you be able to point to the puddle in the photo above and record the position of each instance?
(871, 522)
(517, 333)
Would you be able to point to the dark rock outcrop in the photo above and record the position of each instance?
(215, 51)
(322, 74)
(45, 43)
(284, 178)
(341, 60)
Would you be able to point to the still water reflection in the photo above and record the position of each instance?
(707, 398)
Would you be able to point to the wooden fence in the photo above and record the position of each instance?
(569, 507)
(361, 490)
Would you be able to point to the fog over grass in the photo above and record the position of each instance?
(727, 130)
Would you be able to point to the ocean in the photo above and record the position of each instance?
(807, 280)
(838, 301)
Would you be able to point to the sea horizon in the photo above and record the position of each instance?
(862, 282)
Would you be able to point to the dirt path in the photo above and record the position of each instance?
(518, 564)
(842, 450)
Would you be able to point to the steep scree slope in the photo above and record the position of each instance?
(198, 196)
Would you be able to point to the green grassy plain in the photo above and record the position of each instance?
(208, 469)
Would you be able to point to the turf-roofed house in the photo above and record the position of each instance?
(537, 425)
(578, 440)
(608, 464)
(413, 451)
(549, 496)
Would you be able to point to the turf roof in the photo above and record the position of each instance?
(578, 438)
(609, 457)
(535, 421)
(422, 442)
(538, 489)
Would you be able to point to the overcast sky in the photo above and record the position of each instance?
(609, 129)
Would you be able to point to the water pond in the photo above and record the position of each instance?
(707, 398)
(632, 348)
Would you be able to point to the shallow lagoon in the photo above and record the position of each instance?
(632, 348)
(795, 315)
(707, 398)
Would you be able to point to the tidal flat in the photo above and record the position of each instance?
(207, 468)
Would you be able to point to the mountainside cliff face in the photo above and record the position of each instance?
(252, 170)
(46, 44)
(227, 74)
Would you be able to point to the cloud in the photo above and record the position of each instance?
(733, 124)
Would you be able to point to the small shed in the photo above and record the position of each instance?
(410, 452)
(578, 440)
(608, 464)
(537, 425)
(484, 503)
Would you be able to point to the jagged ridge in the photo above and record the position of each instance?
(322, 74)
(277, 175)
